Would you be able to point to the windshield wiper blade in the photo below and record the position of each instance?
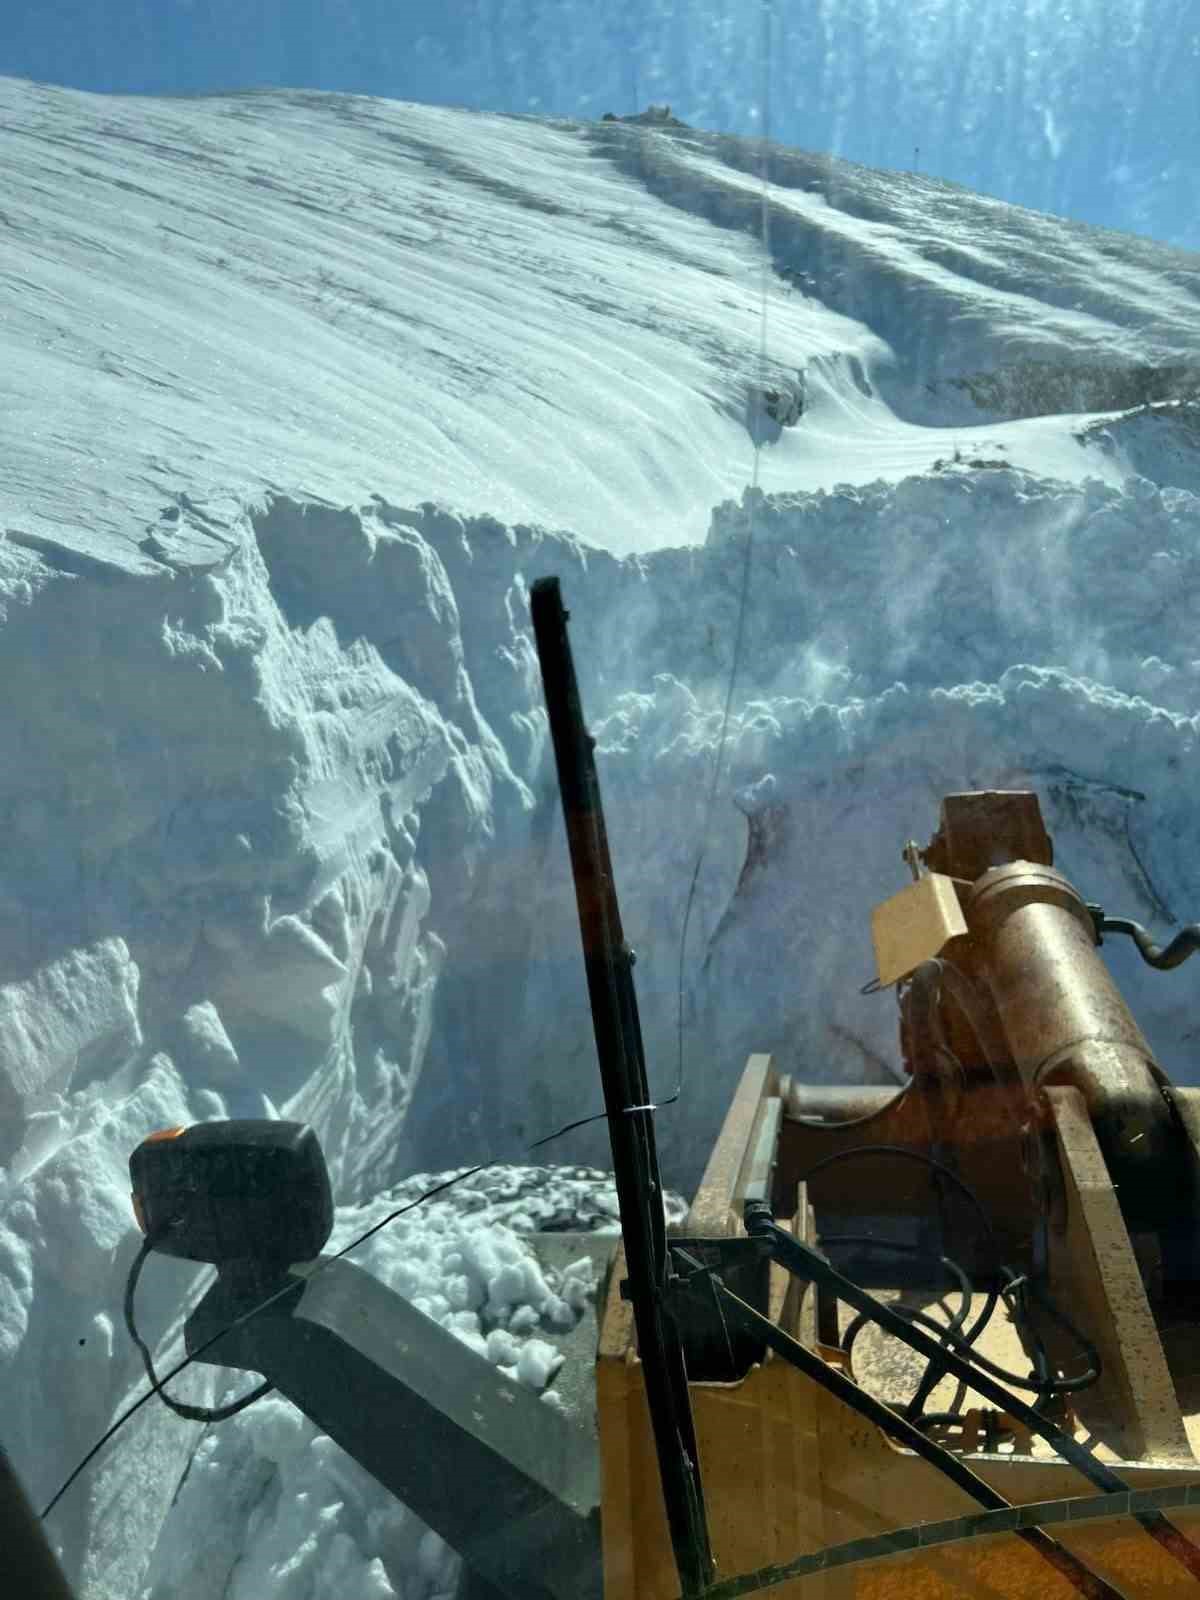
(609, 965)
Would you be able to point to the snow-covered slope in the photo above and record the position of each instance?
(274, 291)
(298, 390)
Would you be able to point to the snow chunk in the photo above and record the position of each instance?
(288, 977)
(537, 1363)
(209, 1106)
(16, 1285)
(502, 1348)
(578, 1283)
(73, 1021)
(203, 1049)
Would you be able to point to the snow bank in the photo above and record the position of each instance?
(314, 864)
(1157, 442)
(980, 306)
(72, 1019)
(965, 570)
(548, 321)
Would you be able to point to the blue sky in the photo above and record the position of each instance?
(1090, 109)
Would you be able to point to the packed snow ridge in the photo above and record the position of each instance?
(551, 322)
(293, 431)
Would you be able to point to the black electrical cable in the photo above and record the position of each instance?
(935, 1371)
(288, 1288)
(1037, 1384)
(926, 1034)
(179, 1407)
(870, 1242)
(1015, 1296)
(932, 1375)
(1043, 1385)
(1021, 1283)
(963, 1283)
(807, 1263)
(964, 991)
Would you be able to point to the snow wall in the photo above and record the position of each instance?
(281, 836)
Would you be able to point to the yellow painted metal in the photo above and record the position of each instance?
(914, 926)
(788, 1470)
(714, 1213)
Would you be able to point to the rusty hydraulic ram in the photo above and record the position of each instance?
(1032, 940)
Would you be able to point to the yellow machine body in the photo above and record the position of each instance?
(1068, 1091)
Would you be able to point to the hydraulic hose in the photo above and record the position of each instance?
(805, 1263)
(1185, 943)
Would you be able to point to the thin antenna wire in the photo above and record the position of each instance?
(739, 637)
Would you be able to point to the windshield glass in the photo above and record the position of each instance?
(713, 1015)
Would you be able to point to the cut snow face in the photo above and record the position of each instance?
(292, 430)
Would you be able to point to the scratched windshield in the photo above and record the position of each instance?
(597, 853)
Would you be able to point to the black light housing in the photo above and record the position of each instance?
(234, 1191)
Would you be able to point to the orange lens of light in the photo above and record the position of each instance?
(163, 1133)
